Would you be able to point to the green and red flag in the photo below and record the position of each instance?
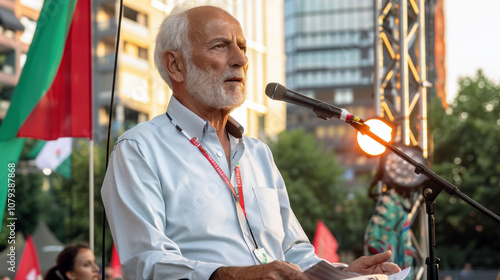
(53, 97)
(54, 154)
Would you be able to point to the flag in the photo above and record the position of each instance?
(325, 244)
(54, 153)
(115, 264)
(35, 150)
(53, 97)
(29, 267)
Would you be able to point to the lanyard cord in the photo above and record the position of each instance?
(237, 195)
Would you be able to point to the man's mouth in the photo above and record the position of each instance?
(234, 79)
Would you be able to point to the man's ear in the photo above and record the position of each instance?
(174, 64)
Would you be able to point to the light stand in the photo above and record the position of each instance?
(430, 191)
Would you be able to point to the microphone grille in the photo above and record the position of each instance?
(275, 91)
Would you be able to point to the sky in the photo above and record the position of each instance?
(472, 41)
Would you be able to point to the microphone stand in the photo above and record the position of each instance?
(430, 191)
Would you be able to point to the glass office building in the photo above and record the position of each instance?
(329, 48)
(328, 43)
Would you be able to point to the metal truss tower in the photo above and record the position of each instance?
(400, 69)
(400, 86)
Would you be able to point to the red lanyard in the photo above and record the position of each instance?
(259, 252)
(239, 195)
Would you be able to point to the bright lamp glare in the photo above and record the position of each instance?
(47, 171)
(370, 146)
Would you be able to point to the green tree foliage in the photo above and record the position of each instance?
(467, 142)
(65, 205)
(73, 199)
(316, 190)
(29, 199)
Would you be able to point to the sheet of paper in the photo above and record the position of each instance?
(400, 275)
(325, 271)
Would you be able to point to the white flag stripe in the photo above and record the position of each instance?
(31, 275)
(54, 153)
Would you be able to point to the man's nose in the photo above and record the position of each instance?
(238, 57)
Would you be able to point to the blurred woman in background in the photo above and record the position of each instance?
(75, 262)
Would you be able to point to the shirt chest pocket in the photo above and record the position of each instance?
(269, 207)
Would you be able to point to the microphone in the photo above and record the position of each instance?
(322, 110)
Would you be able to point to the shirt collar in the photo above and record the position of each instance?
(194, 125)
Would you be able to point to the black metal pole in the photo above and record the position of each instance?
(430, 191)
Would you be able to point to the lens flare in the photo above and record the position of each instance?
(370, 146)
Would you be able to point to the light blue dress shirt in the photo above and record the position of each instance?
(173, 217)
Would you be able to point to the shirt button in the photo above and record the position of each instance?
(219, 154)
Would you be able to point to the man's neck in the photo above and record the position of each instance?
(219, 121)
(217, 118)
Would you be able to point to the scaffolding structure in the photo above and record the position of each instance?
(400, 86)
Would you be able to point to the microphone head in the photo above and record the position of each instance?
(275, 91)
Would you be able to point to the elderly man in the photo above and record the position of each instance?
(186, 194)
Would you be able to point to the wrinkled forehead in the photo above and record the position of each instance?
(203, 14)
(208, 19)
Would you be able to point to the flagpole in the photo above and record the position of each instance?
(91, 194)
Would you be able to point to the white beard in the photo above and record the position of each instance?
(208, 88)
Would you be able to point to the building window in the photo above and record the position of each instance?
(29, 30)
(135, 50)
(136, 16)
(320, 132)
(142, 53)
(343, 96)
(8, 62)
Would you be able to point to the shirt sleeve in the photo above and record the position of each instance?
(135, 210)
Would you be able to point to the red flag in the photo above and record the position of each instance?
(66, 109)
(325, 245)
(29, 267)
(115, 264)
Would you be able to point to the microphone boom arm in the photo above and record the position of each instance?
(430, 191)
(422, 169)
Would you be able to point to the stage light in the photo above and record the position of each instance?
(370, 146)
(400, 174)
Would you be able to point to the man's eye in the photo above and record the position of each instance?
(220, 46)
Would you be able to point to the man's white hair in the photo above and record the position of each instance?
(173, 33)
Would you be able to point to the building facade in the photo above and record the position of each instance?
(329, 48)
(330, 57)
(17, 26)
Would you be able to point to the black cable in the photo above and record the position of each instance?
(111, 105)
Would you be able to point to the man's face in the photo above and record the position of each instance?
(216, 70)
